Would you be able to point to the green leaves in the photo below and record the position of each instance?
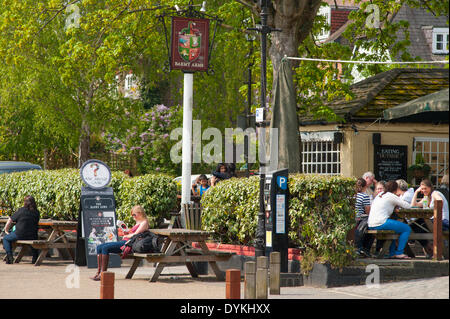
(321, 211)
(58, 192)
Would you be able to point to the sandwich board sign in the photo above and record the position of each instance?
(97, 212)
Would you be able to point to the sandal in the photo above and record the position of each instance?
(402, 256)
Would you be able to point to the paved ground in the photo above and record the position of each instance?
(62, 280)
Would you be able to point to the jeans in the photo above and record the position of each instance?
(9, 239)
(445, 224)
(400, 228)
(112, 247)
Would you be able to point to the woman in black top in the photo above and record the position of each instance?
(26, 220)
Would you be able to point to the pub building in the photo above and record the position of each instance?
(387, 143)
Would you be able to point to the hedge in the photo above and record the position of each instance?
(321, 211)
(57, 193)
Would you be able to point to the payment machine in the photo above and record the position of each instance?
(276, 200)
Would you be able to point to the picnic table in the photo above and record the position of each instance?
(434, 229)
(57, 238)
(177, 249)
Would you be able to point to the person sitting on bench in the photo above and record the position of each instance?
(103, 250)
(426, 188)
(382, 208)
(27, 220)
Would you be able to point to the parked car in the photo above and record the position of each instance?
(13, 166)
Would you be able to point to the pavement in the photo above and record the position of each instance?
(58, 279)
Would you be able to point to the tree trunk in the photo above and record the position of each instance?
(295, 19)
(84, 146)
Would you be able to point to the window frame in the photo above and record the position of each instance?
(445, 36)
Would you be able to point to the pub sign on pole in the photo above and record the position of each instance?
(190, 44)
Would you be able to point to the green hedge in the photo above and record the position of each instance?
(321, 211)
(58, 192)
(230, 210)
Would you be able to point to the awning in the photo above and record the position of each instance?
(431, 106)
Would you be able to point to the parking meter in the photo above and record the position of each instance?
(276, 200)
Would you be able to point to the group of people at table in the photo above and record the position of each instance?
(374, 209)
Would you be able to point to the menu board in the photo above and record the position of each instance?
(98, 219)
(390, 162)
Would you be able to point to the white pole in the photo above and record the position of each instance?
(187, 142)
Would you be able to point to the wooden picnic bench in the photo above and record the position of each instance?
(57, 238)
(435, 230)
(177, 249)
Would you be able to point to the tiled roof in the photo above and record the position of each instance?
(338, 18)
(419, 18)
(388, 89)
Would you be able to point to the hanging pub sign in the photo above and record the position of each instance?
(190, 44)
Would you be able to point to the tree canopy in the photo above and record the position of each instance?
(61, 63)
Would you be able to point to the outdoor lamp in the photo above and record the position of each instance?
(203, 8)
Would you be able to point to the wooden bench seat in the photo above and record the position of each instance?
(38, 244)
(389, 235)
(192, 255)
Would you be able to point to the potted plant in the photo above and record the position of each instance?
(419, 169)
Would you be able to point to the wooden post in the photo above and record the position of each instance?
(233, 285)
(107, 285)
(437, 230)
(275, 266)
(262, 265)
(250, 280)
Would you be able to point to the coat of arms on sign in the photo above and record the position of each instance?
(189, 43)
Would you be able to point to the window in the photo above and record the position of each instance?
(435, 153)
(325, 11)
(440, 40)
(320, 154)
(129, 82)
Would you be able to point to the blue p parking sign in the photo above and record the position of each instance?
(282, 182)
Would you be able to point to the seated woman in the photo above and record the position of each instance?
(426, 188)
(103, 250)
(382, 208)
(362, 206)
(379, 188)
(27, 220)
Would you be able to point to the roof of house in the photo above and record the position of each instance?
(418, 18)
(385, 90)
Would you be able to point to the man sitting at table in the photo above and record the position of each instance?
(27, 220)
(406, 193)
